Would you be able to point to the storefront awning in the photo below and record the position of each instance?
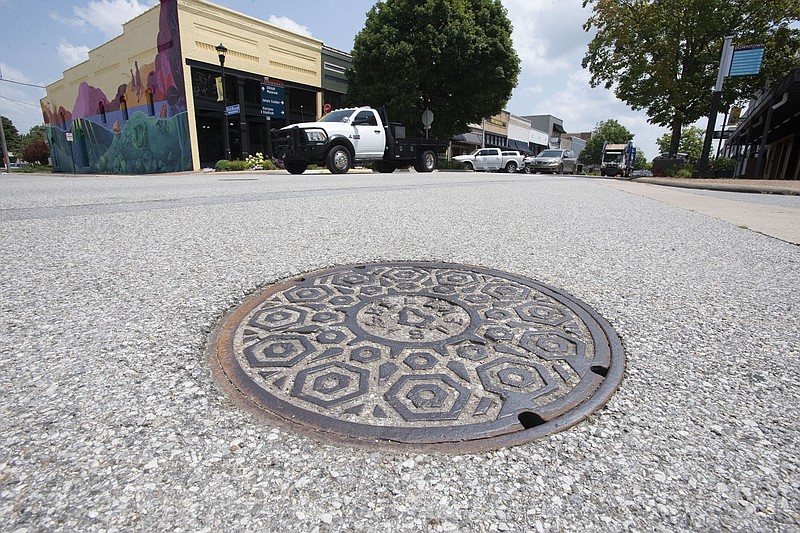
(467, 138)
(520, 146)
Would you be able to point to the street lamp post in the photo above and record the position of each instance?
(226, 143)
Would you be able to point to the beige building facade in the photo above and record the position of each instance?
(149, 100)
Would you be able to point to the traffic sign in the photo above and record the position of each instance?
(273, 101)
(234, 109)
(427, 118)
(326, 108)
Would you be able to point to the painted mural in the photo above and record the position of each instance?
(143, 129)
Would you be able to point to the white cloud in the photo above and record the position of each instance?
(109, 15)
(288, 24)
(20, 103)
(550, 40)
(547, 33)
(10, 73)
(72, 55)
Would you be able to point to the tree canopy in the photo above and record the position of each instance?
(663, 57)
(691, 143)
(13, 140)
(454, 57)
(609, 131)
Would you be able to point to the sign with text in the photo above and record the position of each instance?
(234, 109)
(273, 102)
(746, 60)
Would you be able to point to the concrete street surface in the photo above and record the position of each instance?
(111, 420)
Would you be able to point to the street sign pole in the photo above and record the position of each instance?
(716, 98)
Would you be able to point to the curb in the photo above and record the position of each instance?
(726, 187)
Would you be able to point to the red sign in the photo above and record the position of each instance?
(326, 108)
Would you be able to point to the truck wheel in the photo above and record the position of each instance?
(295, 167)
(511, 167)
(338, 160)
(384, 167)
(468, 166)
(426, 162)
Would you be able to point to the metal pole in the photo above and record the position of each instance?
(724, 68)
(724, 125)
(226, 141)
(5, 148)
(762, 149)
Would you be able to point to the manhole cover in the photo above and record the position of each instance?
(427, 355)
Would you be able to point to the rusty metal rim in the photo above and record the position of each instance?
(245, 393)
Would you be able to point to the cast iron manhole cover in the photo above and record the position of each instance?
(427, 355)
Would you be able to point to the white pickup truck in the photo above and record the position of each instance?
(347, 136)
(492, 159)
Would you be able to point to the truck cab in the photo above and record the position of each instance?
(618, 159)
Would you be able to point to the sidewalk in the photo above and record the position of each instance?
(779, 220)
(731, 185)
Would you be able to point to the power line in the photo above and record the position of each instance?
(22, 83)
(26, 104)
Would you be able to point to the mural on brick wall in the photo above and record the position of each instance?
(142, 129)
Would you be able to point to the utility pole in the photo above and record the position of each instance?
(6, 159)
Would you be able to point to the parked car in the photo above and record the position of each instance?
(492, 159)
(555, 161)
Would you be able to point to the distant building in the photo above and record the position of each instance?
(571, 142)
(553, 126)
(503, 130)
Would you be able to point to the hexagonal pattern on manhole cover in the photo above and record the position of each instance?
(424, 355)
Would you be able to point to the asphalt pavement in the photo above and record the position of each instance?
(111, 419)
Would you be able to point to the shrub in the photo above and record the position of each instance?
(723, 163)
(36, 152)
(258, 162)
(222, 165)
(452, 164)
(683, 173)
(237, 165)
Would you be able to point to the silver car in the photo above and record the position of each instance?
(555, 161)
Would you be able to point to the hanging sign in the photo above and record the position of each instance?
(747, 60)
(219, 89)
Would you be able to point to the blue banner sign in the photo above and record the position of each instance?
(234, 109)
(747, 60)
(273, 103)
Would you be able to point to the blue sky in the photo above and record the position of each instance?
(43, 38)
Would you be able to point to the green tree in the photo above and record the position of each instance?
(454, 57)
(13, 141)
(691, 143)
(609, 131)
(663, 57)
(36, 133)
(641, 160)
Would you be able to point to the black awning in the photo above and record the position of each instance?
(558, 128)
(468, 138)
(520, 146)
